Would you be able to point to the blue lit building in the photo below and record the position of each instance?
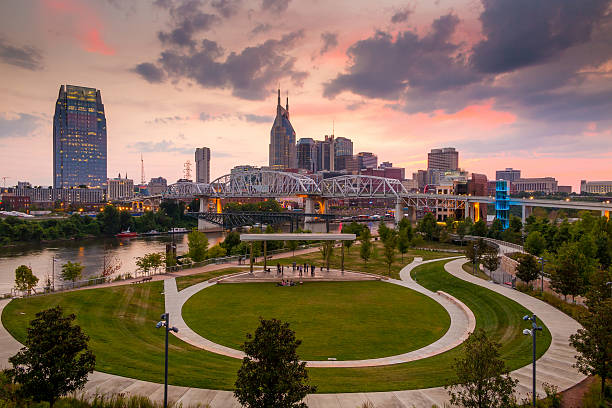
(502, 202)
(79, 138)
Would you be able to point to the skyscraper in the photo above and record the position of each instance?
(202, 160)
(446, 159)
(283, 152)
(306, 154)
(79, 138)
(343, 148)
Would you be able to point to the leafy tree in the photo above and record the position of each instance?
(404, 240)
(443, 235)
(527, 269)
(389, 245)
(365, 250)
(404, 223)
(25, 279)
(216, 251)
(125, 220)
(231, 241)
(429, 227)
(483, 377)
(72, 271)
(462, 229)
(479, 228)
(326, 252)
(594, 342)
(109, 218)
(292, 246)
(571, 270)
(150, 262)
(535, 243)
(55, 360)
(490, 258)
(198, 244)
(352, 228)
(450, 223)
(383, 231)
(271, 374)
(496, 230)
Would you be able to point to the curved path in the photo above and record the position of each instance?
(554, 367)
(462, 324)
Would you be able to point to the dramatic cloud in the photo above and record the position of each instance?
(249, 74)
(520, 33)
(24, 57)
(401, 15)
(227, 8)
(249, 117)
(330, 41)
(187, 20)
(17, 125)
(384, 67)
(261, 28)
(275, 6)
(164, 146)
(150, 72)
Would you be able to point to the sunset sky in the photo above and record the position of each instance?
(509, 83)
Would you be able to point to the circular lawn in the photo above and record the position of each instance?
(342, 320)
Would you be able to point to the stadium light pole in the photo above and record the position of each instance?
(165, 323)
(534, 329)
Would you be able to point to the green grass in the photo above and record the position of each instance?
(121, 320)
(353, 262)
(469, 268)
(344, 320)
(183, 282)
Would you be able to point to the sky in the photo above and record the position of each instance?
(509, 83)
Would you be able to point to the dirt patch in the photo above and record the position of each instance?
(572, 397)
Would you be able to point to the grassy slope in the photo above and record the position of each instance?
(325, 316)
(183, 282)
(120, 321)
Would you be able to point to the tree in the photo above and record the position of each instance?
(72, 271)
(527, 269)
(365, 250)
(292, 245)
(151, 261)
(429, 227)
(404, 240)
(479, 228)
(109, 218)
(483, 380)
(110, 265)
(594, 342)
(198, 244)
(326, 252)
(216, 251)
(535, 243)
(271, 374)
(389, 249)
(496, 230)
(571, 270)
(490, 258)
(462, 229)
(25, 279)
(55, 360)
(231, 241)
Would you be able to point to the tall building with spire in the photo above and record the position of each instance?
(283, 151)
(79, 138)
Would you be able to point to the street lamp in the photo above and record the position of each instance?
(542, 261)
(165, 323)
(475, 258)
(534, 329)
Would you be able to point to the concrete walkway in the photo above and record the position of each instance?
(462, 323)
(554, 367)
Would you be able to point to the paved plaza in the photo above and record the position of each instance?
(554, 367)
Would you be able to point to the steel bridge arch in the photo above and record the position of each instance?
(260, 183)
(362, 187)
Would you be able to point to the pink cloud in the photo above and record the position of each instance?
(84, 24)
(482, 115)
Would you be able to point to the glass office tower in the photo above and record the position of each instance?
(79, 138)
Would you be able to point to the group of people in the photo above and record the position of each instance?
(287, 283)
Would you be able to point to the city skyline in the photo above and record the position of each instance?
(546, 113)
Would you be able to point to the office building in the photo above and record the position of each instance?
(12, 202)
(398, 173)
(595, 187)
(157, 185)
(283, 152)
(546, 185)
(367, 160)
(385, 164)
(565, 189)
(41, 196)
(306, 154)
(120, 188)
(79, 138)
(446, 159)
(509, 174)
(202, 161)
(477, 185)
(343, 148)
(325, 154)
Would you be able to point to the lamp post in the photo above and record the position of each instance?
(475, 258)
(534, 329)
(165, 323)
(542, 262)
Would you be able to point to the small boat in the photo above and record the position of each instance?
(152, 232)
(177, 230)
(127, 234)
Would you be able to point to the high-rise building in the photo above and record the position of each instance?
(202, 160)
(306, 154)
(79, 138)
(325, 153)
(120, 188)
(157, 185)
(283, 152)
(367, 160)
(343, 148)
(509, 174)
(446, 159)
